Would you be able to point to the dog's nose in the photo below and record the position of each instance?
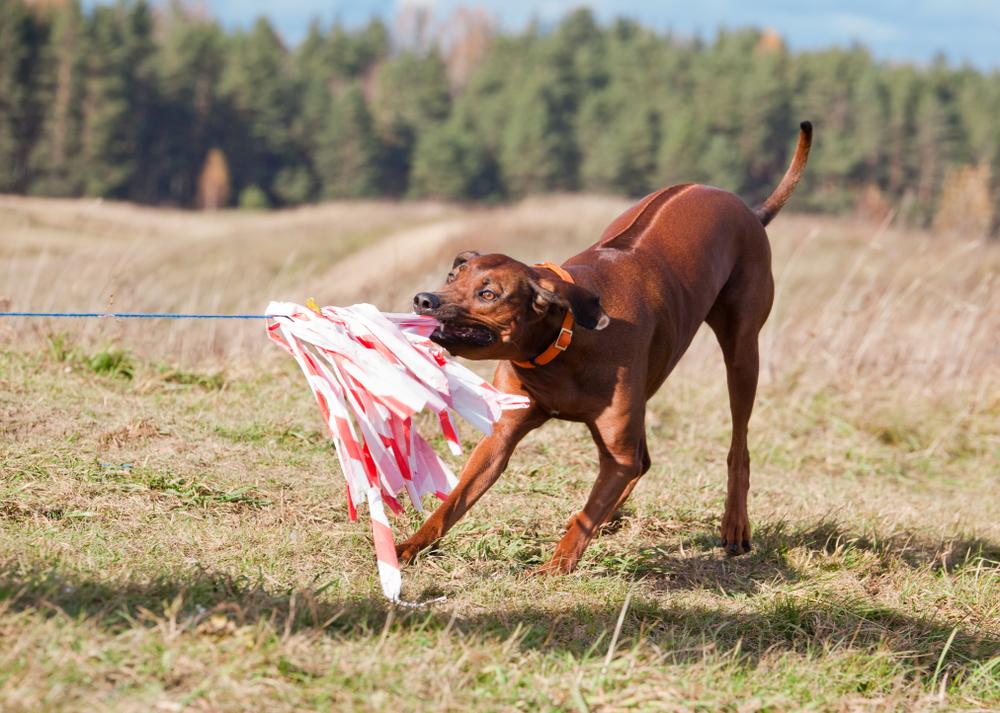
(425, 301)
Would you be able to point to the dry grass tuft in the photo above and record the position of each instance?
(137, 429)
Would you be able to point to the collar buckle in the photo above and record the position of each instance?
(563, 344)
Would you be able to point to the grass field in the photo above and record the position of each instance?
(174, 534)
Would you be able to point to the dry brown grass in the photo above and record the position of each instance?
(174, 536)
(89, 256)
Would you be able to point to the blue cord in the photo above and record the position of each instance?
(140, 315)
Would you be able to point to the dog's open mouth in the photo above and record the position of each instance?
(452, 333)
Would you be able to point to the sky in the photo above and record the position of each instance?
(906, 30)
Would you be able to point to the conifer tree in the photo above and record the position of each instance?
(117, 100)
(619, 140)
(765, 123)
(191, 115)
(412, 94)
(257, 87)
(449, 163)
(56, 167)
(537, 152)
(22, 39)
(314, 76)
(348, 152)
(352, 55)
(903, 94)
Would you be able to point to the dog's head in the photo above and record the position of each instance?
(494, 307)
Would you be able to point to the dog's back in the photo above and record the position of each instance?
(663, 264)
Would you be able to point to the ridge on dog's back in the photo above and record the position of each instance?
(630, 224)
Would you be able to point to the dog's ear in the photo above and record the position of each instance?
(585, 305)
(463, 258)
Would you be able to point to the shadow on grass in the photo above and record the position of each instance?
(698, 563)
(784, 622)
(943, 554)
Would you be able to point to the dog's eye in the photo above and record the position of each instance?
(488, 295)
(450, 278)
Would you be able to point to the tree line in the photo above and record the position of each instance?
(165, 107)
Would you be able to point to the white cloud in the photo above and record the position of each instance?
(861, 27)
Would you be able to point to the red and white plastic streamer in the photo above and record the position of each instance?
(370, 373)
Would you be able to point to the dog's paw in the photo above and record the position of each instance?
(554, 567)
(406, 553)
(734, 550)
(735, 533)
(545, 570)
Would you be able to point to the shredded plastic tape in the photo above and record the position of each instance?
(371, 372)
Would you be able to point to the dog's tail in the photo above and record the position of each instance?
(769, 208)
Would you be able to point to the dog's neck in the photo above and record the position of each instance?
(544, 336)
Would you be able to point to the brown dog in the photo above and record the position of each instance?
(682, 256)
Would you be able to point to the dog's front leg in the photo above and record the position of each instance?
(486, 464)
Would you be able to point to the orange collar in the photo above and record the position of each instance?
(562, 342)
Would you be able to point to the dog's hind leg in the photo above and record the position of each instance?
(736, 319)
(646, 463)
(616, 511)
(623, 459)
